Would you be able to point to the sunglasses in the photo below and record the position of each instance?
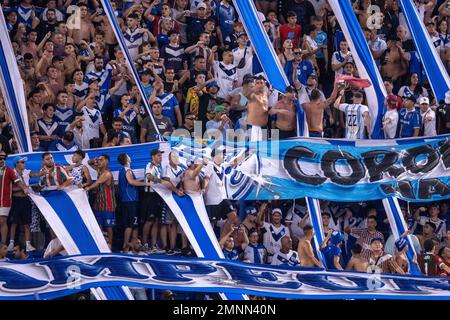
(297, 53)
(190, 118)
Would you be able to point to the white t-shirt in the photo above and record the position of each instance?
(175, 175)
(215, 192)
(92, 122)
(390, 122)
(354, 119)
(238, 54)
(339, 57)
(272, 237)
(225, 76)
(53, 245)
(290, 259)
(155, 171)
(429, 123)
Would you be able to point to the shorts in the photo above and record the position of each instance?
(151, 206)
(130, 214)
(4, 211)
(167, 216)
(20, 211)
(105, 219)
(219, 211)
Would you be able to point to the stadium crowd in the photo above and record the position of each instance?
(197, 65)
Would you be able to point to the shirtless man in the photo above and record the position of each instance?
(191, 179)
(286, 114)
(315, 109)
(258, 110)
(305, 250)
(357, 263)
(395, 64)
(86, 30)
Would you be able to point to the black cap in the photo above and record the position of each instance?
(412, 98)
(290, 89)
(68, 135)
(155, 151)
(240, 34)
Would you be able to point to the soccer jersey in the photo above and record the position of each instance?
(174, 174)
(92, 122)
(339, 57)
(155, 171)
(130, 122)
(225, 16)
(105, 199)
(390, 122)
(81, 90)
(133, 39)
(272, 237)
(64, 117)
(173, 57)
(232, 255)
(428, 127)
(104, 77)
(24, 15)
(58, 145)
(225, 75)
(215, 191)
(255, 254)
(56, 176)
(47, 128)
(330, 252)
(169, 104)
(354, 120)
(441, 228)
(289, 259)
(409, 120)
(7, 178)
(127, 192)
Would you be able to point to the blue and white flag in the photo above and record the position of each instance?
(120, 38)
(436, 73)
(51, 279)
(70, 216)
(398, 227)
(365, 63)
(11, 86)
(267, 56)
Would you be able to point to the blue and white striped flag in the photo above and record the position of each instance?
(436, 73)
(70, 216)
(365, 63)
(11, 85)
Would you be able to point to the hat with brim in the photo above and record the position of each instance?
(19, 159)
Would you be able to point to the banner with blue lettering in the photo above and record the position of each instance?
(416, 169)
(57, 277)
(362, 56)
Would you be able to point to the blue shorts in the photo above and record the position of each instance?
(105, 219)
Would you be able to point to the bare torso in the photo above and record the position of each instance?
(286, 120)
(314, 115)
(304, 250)
(258, 109)
(393, 67)
(191, 183)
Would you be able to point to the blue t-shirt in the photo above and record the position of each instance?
(127, 192)
(321, 40)
(169, 104)
(409, 120)
(225, 16)
(330, 252)
(232, 255)
(130, 122)
(304, 70)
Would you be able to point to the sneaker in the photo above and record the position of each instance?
(30, 248)
(11, 247)
(170, 252)
(176, 251)
(159, 250)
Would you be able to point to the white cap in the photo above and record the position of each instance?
(202, 5)
(277, 210)
(424, 100)
(447, 97)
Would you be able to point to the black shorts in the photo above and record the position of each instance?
(219, 211)
(130, 214)
(20, 211)
(151, 206)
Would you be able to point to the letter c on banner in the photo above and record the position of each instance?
(292, 166)
(328, 164)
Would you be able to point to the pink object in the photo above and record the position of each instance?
(357, 82)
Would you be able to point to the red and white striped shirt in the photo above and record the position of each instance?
(364, 239)
(7, 178)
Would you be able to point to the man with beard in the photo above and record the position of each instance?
(45, 27)
(54, 175)
(285, 113)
